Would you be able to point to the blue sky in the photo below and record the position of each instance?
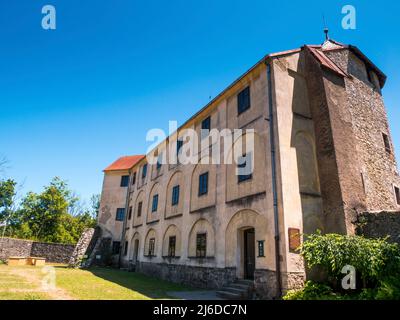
(74, 99)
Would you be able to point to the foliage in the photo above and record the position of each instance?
(7, 193)
(312, 291)
(54, 215)
(376, 261)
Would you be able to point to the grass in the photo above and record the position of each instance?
(25, 283)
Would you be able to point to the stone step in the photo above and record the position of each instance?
(241, 286)
(242, 292)
(229, 295)
(245, 282)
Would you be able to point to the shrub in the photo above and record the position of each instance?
(377, 265)
(373, 259)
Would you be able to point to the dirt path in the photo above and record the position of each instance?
(35, 277)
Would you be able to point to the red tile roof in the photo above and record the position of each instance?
(124, 163)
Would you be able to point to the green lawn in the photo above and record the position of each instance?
(25, 283)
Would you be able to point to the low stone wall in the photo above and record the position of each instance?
(200, 277)
(53, 252)
(14, 247)
(379, 225)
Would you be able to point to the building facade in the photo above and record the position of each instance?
(322, 153)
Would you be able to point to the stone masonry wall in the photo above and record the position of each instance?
(378, 168)
(379, 225)
(53, 252)
(200, 277)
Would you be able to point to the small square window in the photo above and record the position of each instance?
(175, 195)
(144, 171)
(120, 214)
(124, 181)
(386, 142)
(397, 195)
(179, 144)
(201, 245)
(171, 246)
(130, 213)
(139, 208)
(203, 184)
(154, 205)
(116, 247)
(205, 127)
(159, 162)
(243, 100)
(244, 168)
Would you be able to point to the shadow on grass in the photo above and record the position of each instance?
(148, 286)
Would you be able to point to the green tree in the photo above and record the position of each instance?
(43, 212)
(55, 215)
(7, 194)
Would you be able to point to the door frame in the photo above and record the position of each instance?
(248, 274)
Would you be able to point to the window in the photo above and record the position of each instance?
(261, 248)
(130, 213)
(124, 181)
(201, 245)
(245, 168)
(203, 183)
(205, 127)
(126, 248)
(139, 208)
(159, 162)
(134, 178)
(120, 214)
(115, 247)
(179, 144)
(152, 243)
(144, 171)
(175, 195)
(397, 194)
(386, 142)
(154, 205)
(243, 100)
(171, 246)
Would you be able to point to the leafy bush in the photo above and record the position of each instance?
(312, 291)
(376, 261)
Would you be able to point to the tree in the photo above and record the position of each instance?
(7, 194)
(42, 213)
(95, 205)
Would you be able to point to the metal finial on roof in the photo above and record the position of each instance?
(326, 31)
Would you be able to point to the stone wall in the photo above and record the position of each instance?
(14, 247)
(200, 277)
(81, 248)
(53, 252)
(379, 225)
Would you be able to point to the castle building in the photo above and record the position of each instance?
(322, 153)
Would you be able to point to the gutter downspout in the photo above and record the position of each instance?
(128, 192)
(274, 181)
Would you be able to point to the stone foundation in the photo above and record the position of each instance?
(266, 286)
(200, 277)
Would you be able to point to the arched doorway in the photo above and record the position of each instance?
(244, 229)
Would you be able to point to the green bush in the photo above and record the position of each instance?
(376, 261)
